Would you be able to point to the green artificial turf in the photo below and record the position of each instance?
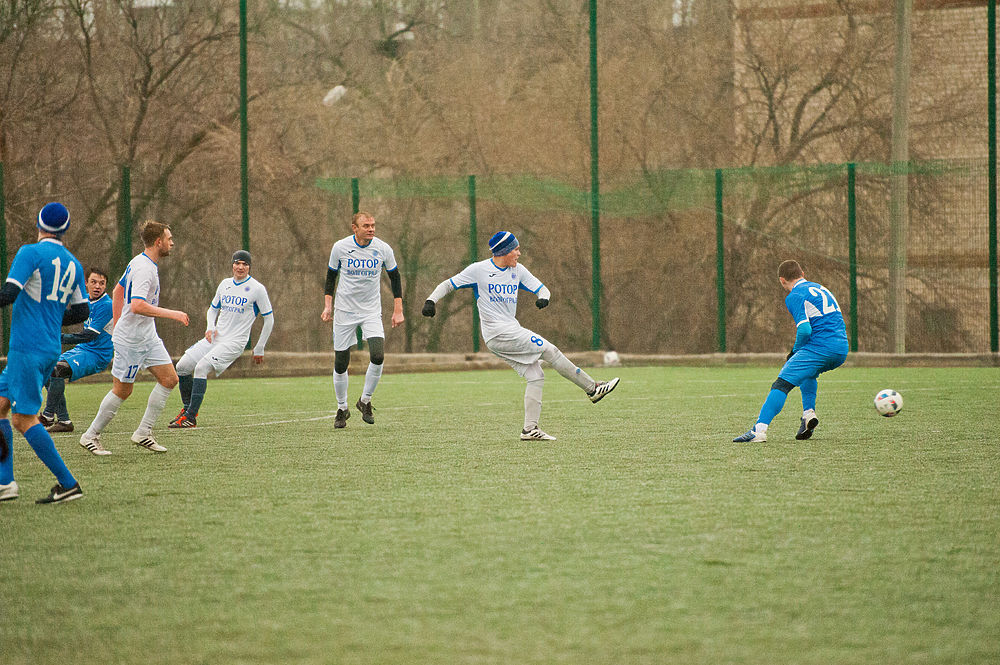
(643, 535)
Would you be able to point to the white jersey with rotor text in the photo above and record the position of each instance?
(237, 305)
(496, 290)
(141, 281)
(359, 271)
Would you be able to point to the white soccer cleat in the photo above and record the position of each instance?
(9, 491)
(93, 444)
(753, 436)
(535, 434)
(148, 442)
(603, 388)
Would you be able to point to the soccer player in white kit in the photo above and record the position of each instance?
(495, 283)
(358, 261)
(235, 307)
(135, 304)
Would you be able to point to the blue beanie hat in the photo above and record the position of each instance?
(502, 243)
(53, 218)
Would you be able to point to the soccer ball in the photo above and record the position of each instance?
(888, 402)
(611, 359)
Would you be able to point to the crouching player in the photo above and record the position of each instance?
(92, 354)
(820, 345)
(495, 283)
(237, 302)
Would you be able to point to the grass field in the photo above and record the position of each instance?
(643, 535)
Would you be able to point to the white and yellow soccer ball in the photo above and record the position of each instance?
(888, 402)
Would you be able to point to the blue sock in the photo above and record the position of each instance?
(772, 406)
(198, 387)
(7, 466)
(184, 383)
(809, 389)
(41, 442)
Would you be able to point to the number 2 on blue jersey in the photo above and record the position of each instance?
(829, 302)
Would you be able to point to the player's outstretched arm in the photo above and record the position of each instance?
(442, 289)
(140, 306)
(543, 298)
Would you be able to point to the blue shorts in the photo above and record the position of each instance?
(22, 380)
(84, 362)
(807, 364)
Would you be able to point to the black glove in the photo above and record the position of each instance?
(542, 303)
(428, 309)
(789, 356)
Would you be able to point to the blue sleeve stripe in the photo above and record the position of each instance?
(464, 286)
(267, 313)
(452, 282)
(525, 288)
(131, 298)
(214, 306)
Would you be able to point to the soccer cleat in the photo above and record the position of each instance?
(807, 427)
(60, 494)
(340, 421)
(93, 444)
(602, 388)
(148, 442)
(9, 492)
(366, 411)
(753, 436)
(46, 419)
(535, 434)
(178, 417)
(60, 426)
(183, 422)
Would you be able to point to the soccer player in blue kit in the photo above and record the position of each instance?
(91, 355)
(45, 286)
(496, 283)
(820, 346)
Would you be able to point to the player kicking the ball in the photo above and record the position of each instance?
(496, 282)
(358, 261)
(236, 305)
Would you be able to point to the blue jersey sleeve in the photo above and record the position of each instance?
(100, 315)
(24, 264)
(795, 301)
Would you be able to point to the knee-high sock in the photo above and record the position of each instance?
(772, 406)
(7, 466)
(107, 411)
(198, 387)
(41, 442)
(55, 402)
(340, 389)
(809, 389)
(567, 369)
(533, 403)
(154, 407)
(184, 383)
(372, 376)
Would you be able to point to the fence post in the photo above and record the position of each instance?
(244, 131)
(3, 259)
(355, 208)
(473, 241)
(123, 244)
(852, 252)
(991, 66)
(595, 189)
(720, 264)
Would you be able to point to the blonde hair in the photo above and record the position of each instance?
(151, 232)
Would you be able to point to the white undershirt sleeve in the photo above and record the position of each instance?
(265, 332)
(543, 293)
(211, 318)
(443, 289)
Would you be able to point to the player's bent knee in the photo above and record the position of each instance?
(376, 350)
(62, 370)
(782, 385)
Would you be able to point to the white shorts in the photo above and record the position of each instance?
(129, 360)
(519, 348)
(345, 326)
(221, 354)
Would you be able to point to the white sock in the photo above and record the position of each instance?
(154, 407)
(760, 428)
(532, 404)
(340, 389)
(372, 376)
(108, 409)
(810, 413)
(567, 369)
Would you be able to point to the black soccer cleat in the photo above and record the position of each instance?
(178, 416)
(340, 422)
(807, 427)
(60, 494)
(366, 411)
(46, 419)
